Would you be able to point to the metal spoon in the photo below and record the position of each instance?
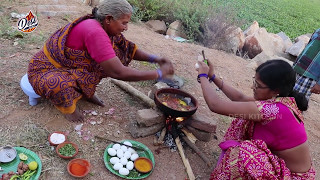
(8, 154)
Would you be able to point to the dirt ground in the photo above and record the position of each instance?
(29, 126)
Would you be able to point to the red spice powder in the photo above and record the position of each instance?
(78, 169)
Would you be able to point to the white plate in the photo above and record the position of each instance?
(7, 154)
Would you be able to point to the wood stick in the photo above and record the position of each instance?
(155, 141)
(197, 150)
(133, 91)
(159, 141)
(190, 136)
(184, 159)
(161, 137)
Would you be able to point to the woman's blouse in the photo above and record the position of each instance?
(89, 36)
(279, 127)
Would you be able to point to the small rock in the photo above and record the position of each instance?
(137, 131)
(78, 127)
(199, 134)
(116, 134)
(15, 15)
(110, 111)
(100, 121)
(94, 113)
(149, 117)
(93, 122)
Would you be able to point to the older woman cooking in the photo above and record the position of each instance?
(76, 57)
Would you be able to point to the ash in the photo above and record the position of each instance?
(169, 141)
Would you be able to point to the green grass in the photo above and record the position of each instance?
(294, 17)
(7, 30)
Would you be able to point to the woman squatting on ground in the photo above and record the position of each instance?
(76, 57)
(267, 138)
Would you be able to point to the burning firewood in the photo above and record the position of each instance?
(159, 141)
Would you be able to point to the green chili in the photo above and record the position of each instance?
(25, 176)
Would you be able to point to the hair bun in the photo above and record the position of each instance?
(94, 11)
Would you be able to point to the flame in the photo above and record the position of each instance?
(179, 119)
(30, 16)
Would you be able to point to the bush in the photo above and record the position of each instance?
(218, 26)
(205, 21)
(145, 10)
(192, 13)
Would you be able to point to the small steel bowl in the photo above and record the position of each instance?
(7, 154)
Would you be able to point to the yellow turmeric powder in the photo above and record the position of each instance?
(143, 165)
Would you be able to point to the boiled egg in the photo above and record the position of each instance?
(114, 160)
(124, 148)
(131, 150)
(117, 166)
(116, 146)
(127, 143)
(127, 154)
(119, 153)
(129, 165)
(124, 161)
(196, 66)
(134, 157)
(112, 152)
(124, 171)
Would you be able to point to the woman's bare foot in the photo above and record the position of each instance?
(96, 100)
(76, 116)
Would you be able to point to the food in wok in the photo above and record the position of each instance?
(176, 101)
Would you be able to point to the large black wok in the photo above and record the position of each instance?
(173, 112)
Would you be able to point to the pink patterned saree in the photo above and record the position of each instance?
(246, 158)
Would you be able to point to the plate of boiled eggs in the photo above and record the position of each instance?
(119, 159)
